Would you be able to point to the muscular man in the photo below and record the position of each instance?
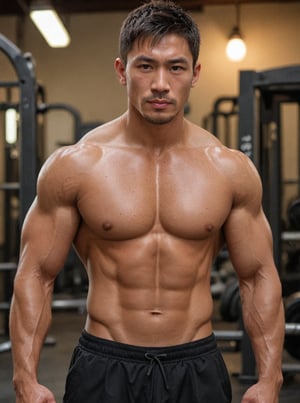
(148, 200)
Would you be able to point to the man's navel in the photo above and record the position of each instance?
(156, 312)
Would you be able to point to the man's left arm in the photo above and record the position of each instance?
(249, 242)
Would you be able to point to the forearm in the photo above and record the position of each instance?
(30, 318)
(264, 321)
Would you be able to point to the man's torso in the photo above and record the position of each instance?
(150, 229)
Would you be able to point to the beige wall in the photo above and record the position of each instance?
(83, 74)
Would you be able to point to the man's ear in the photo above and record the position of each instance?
(196, 74)
(120, 70)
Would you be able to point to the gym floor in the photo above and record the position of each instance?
(65, 330)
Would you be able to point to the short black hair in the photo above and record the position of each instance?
(156, 19)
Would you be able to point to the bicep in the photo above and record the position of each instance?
(52, 221)
(247, 231)
(249, 241)
(46, 239)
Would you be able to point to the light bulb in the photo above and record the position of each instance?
(236, 48)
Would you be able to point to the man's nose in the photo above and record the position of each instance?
(160, 81)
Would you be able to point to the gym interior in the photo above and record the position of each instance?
(50, 97)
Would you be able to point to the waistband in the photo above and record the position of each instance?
(115, 349)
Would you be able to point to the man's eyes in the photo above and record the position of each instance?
(175, 68)
(145, 66)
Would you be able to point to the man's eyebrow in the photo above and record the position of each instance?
(147, 59)
(179, 60)
(143, 58)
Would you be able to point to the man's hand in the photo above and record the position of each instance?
(35, 394)
(262, 392)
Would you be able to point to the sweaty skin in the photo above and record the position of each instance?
(148, 200)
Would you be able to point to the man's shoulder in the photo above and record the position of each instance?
(103, 135)
(234, 165)
(239, 171)
(206, 141)
(88, 148)
(71, 156)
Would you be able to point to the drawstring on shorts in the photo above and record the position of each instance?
(155, 359)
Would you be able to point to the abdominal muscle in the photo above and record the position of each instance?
(150, 291)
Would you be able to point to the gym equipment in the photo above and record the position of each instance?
(261, 95)
(26, 83)
(230, 310)
(260, 134)
(290, 278)
(219, 121)
(293, 264)
(23, 161)
(230, 303)
(19, 187)
(292, 335)
(294, 214)
(292, 315)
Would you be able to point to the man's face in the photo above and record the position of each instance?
(159, 78)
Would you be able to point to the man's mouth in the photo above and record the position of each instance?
(159, 103)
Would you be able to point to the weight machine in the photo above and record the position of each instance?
(220, 121)
(260, 135)
(259, 110)
(27, 167)
(262, 94)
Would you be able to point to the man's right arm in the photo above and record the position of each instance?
(47, 235)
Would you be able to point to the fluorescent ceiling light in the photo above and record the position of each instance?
(51, 27)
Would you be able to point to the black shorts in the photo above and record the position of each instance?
(103, 371)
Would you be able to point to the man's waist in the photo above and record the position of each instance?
(145, 329)
(118, 349)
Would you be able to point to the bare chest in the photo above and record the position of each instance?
(125, 198)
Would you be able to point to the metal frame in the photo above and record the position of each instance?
(26, 83)
(219, 112)
(23, 65)
(274, 87)
(28, 108)
(270, 87)
(44, 108)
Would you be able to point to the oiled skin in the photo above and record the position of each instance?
(148, 200)
(152, 264)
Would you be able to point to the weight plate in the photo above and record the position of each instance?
(230, 302)
(292, 315)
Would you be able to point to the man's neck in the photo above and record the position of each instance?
(154, 136)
